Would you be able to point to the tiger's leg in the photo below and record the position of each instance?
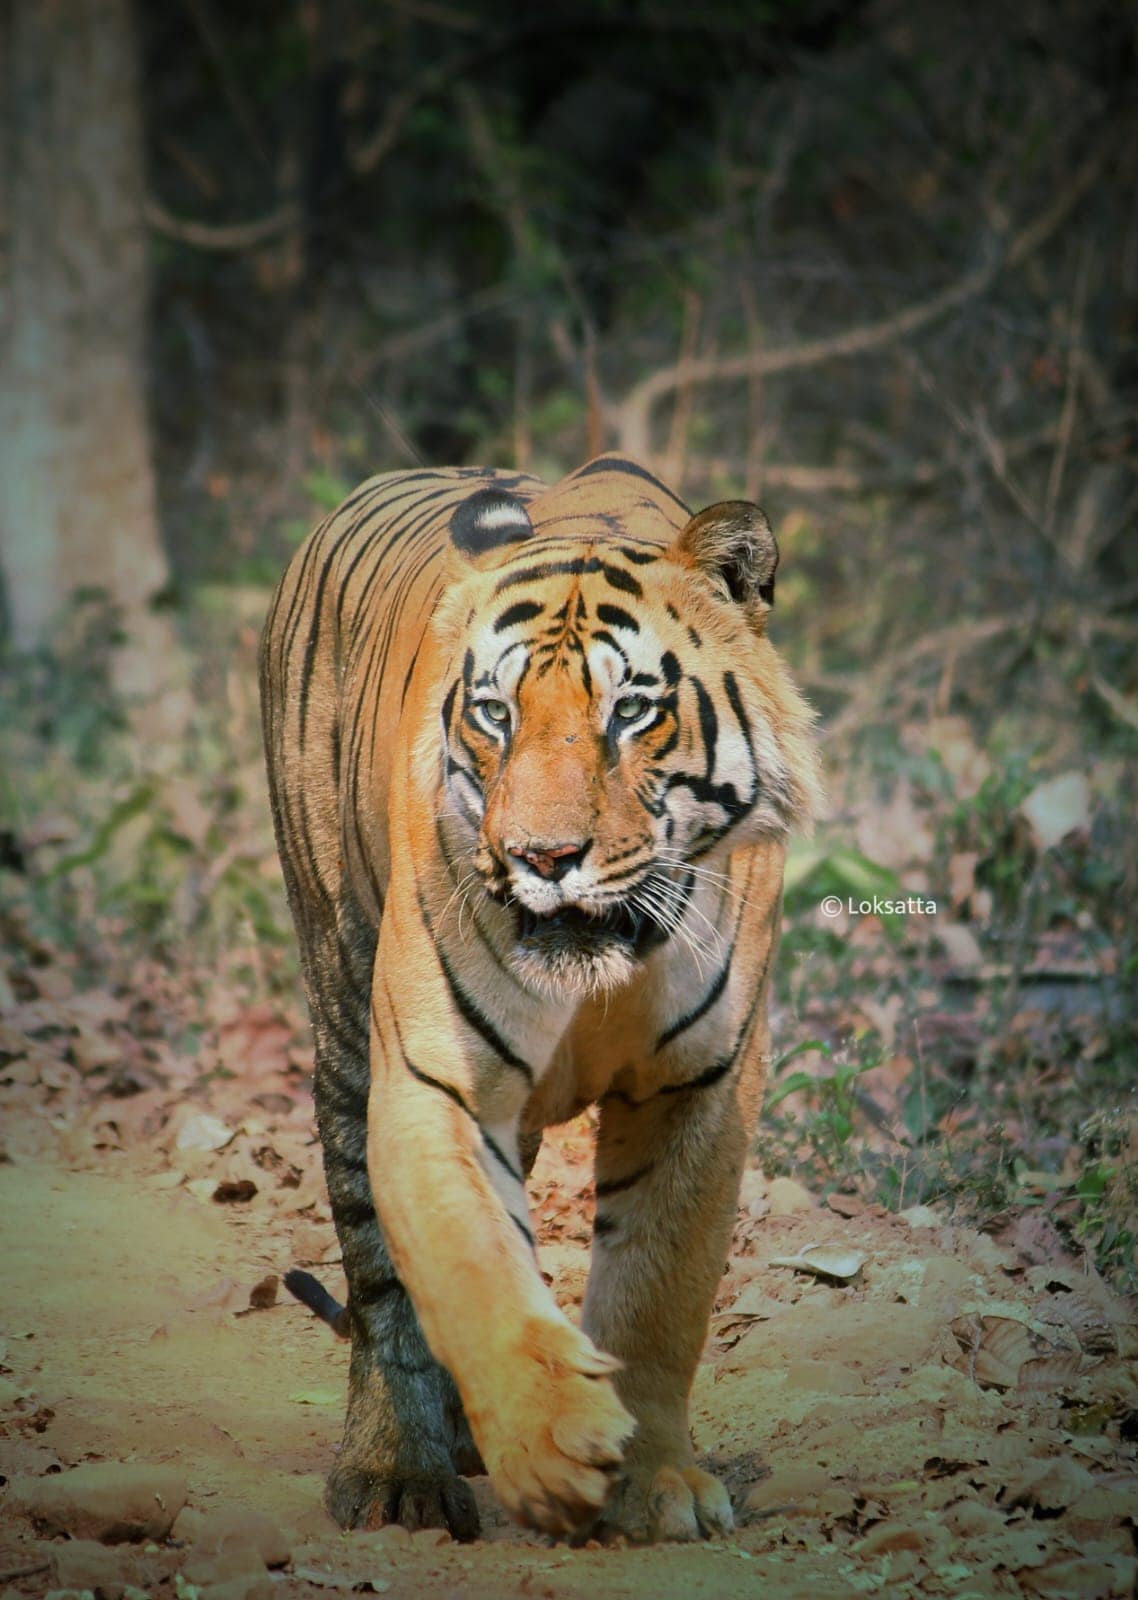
(447, 1174)
(668, 1172)
(405, 1437)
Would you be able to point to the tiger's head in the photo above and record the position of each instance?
(612, 715)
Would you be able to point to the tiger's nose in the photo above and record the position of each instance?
(550, 860)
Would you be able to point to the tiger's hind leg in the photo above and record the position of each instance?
(405, 1437)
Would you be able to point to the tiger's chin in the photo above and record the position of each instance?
(575, 952)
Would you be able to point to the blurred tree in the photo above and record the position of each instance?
(77, 504)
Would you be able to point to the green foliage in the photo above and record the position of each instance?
(832, 1111)
(326, 489)
(61, 696)
(161, 851)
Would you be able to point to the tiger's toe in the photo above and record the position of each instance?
(357, 1498)
(678, 1504)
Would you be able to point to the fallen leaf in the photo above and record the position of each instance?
(1049, 1374)
(825, 1261)
(203, 1132)
(961, 946)
(1055, 808)
(995, 1348)
(264, 1294)
(1049, 1484)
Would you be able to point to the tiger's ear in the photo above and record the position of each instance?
(733, 544)
(490, 519)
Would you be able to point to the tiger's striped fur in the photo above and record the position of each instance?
(533, 762)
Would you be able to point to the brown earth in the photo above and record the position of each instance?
(956, 1418)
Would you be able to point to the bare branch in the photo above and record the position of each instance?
(895, 670)
(1071, 391)
(221, 236)
(634, 416)
(366, 157)
(806, 479)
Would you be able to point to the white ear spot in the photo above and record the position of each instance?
(488, 519)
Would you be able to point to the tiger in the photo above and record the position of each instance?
(533, 766)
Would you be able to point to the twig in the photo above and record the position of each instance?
(1070, 394)
(1009, 1002)
(962, 636)
(959, 636)
(771, 186)
(853, 480)
(366, 157)
(681, 411)
(232, 81)
(10, 1574)
(636, 413)
(223, 236)
(978, 430)
(634, 417)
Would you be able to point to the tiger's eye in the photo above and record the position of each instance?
(630, 707)
(495, 710)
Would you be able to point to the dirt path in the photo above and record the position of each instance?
(958, 1419)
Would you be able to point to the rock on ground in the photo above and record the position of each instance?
(107, 1500)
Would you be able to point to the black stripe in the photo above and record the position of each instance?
(603, 636)
(616, 576)
(634, 871)
(354, 1213)
(472, 1013)
(407, 675)
(436, 1083)
(368, 1289)
(500, 1156)
(346, 1098)
(708, 726)
(621, 579)
(704, 1006)
(520, 611)
(523, 1230)
(619, 1185)
(545, 569)
(617, 617)
(487, 943)
(423, 1077)
(603, 1226)
(630, 469)
(709, 1075)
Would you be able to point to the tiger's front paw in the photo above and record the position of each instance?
(552, 1437)
(678, 1503)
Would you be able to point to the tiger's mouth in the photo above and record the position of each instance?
(572, 930)
(571, 951)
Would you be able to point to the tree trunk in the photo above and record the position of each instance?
(77, 501)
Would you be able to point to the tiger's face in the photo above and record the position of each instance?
(607, 726)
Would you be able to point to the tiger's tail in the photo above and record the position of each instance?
(315, 1296)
